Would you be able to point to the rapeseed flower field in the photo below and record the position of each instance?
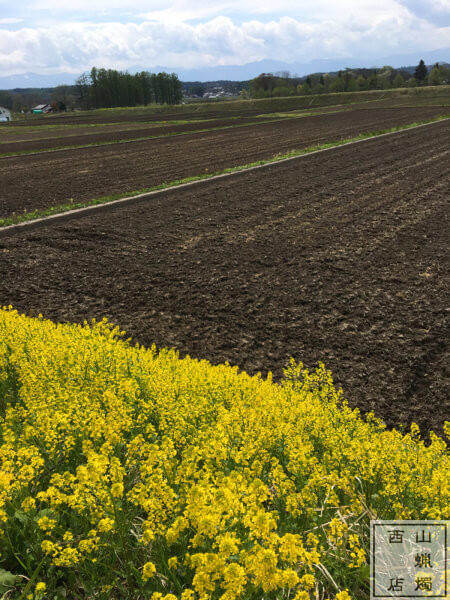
(129, 473)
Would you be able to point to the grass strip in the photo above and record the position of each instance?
(294, 114)
(62, 208)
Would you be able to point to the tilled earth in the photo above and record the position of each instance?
(42, 134)
(74, 137)
(337, 257)
(219, 110)
(52, 179)
(120, 115)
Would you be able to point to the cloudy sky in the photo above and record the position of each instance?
(51, 36)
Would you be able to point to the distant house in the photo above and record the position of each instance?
(41, 109)
(5, 115)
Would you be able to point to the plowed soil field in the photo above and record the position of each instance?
(51, 179)
(117, 115)
(337, 257)
(46, 140)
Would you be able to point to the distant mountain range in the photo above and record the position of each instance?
(238, 72)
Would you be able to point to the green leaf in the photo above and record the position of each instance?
(21, 516)
(7, 580)
(45, 512)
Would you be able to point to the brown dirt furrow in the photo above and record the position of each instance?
(33, 133)
(40, 181)
(94, 135)
(361, 184)
(339, 257)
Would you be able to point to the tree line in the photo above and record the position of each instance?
(108, 88)
(100, 88)
(349, 80)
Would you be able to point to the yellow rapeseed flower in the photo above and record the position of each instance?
(148, 571)
(343, 595)
(113, 452)
(105, 525)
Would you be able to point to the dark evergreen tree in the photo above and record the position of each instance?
(421, 72)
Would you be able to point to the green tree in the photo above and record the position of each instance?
(281, 91)
(439, 75)
(421, 73)
(361, 83)
(351, 85)
(372, 82)
(326, 81)
(103, 88)
(384, 78)
(19, 103)
(197, 90)
(267, 85)
(264, 84)
(398, 81)
(304, 90)
(6, 99)
(337, 84)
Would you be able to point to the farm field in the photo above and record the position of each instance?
(93, 117)
(336, 257)
(118, 115)
(40, 181)
(32, 135)
(72, 136)
(39, 134)
(200, 110)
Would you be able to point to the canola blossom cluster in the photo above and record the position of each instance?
(128, 472)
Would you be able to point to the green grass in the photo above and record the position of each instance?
(15, 219)
(314, 112)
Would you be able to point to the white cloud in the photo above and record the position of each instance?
(369, 29)
(10, 21)
(441, 5)
(434, 11)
